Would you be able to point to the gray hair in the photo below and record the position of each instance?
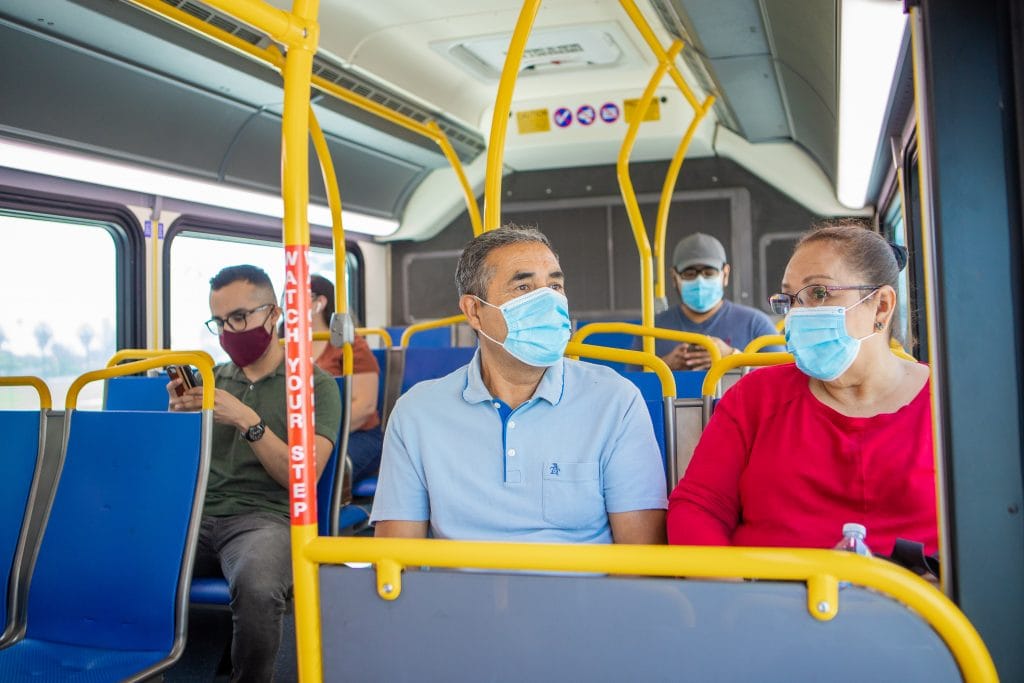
(472, 276)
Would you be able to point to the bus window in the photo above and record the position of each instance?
(895, 229)
(195, 257)
(58, 303)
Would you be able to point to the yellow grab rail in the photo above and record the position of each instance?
(738, 360)
(385, 337)
(819, 569)
(758, 343)
(653, 332)
(700, 110)
(323, 154)
(636, 219)
(648, 360)
(499, 120)
(665, 203)
(137, 354)
(271, 56)
(201, 360)
(45, 399)
(429, 325)
(781, 325)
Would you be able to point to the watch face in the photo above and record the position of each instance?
(255, 433)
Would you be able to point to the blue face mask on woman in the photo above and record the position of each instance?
(538, 326)
(818, 339)
(701, 294)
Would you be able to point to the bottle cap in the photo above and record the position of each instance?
(854, 528)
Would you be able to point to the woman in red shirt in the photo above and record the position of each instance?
(795, 451)
(365, 438)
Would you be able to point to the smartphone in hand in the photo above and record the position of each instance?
(186, 375)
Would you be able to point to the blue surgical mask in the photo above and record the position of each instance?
(818, 339)
(538, 326)
(702, 294)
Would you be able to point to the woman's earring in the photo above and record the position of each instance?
(879, 325)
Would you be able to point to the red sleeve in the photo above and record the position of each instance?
(704, 508)
(363, 359)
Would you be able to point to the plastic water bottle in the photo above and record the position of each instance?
(853, 539)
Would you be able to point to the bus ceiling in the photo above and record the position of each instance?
(185, 104)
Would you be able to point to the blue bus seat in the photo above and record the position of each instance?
(137, 393)
(365, 488)
(431, 363)
(650, 389)
(110, 602)
(22, 454)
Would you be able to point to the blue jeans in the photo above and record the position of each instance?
(253, 552)
(364, 447)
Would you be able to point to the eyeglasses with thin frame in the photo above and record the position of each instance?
(810, 296)
(237, 321)
(691, 273)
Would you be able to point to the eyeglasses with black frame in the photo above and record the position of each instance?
(692, 272)
(810, 296)
(237, 321)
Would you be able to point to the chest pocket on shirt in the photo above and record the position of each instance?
(572, 494)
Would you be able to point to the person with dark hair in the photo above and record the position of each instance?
(365, 438)
(521, 444)
(245, 534)
(793, 452)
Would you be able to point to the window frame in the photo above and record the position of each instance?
(129, 250)
(269, 232)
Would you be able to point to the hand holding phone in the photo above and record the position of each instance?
(186, 375)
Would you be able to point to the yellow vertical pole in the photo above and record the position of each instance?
(636, 219)
(502, 105)
(298, 350)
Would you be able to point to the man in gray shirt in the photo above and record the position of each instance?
(700, 272)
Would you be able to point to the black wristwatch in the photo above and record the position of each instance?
(255, 433)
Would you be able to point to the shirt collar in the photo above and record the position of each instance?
(551, 387)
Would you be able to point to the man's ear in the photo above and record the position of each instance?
(470, 307)
(725, 274)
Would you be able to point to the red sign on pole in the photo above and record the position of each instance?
(299, 373)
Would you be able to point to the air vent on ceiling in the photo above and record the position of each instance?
(562, 48)
(221, 21)
(467, 143)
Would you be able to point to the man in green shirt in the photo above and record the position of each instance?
(245, 533)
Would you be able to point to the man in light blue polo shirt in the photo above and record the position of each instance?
(521, 444)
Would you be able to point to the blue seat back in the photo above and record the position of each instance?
(111, 557)
(21, 433)
(688, 382)
(137, 393)
(437, 338)
(425, 363)
(650, 389)
(325, 486)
